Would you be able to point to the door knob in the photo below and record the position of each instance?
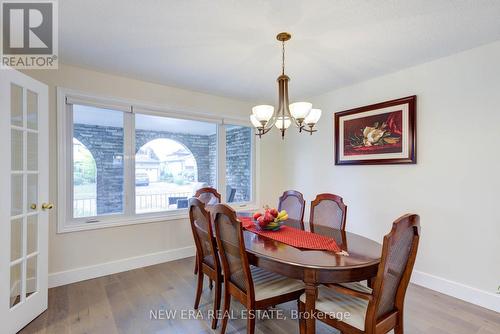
(47, 206)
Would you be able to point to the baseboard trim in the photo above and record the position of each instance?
(113, 267)
(461, 291)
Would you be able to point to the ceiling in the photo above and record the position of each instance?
(228, 48)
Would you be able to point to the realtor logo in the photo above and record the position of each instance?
(29, 34)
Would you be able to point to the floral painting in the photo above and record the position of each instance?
(374, 134)
(383, 133)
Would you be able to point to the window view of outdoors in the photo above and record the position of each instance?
(238, 163)
(174, 158)
(98, 170)
(84, 180)
(165, 172)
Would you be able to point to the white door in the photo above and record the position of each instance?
(24, 199)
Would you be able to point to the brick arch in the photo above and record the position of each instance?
(140, 144)
(192, 143)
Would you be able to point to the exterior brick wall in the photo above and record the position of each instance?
(239, 161)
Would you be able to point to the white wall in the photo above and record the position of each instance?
(82, 254)
(455, 185)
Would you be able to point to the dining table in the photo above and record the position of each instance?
(315, 267)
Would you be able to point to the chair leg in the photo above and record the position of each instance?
(199, 289)
(196, 264)
(399, 325)
(225, 318)
(302, 321)
(217, 296)
(251, 322)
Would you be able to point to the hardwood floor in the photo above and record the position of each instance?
(122, 303)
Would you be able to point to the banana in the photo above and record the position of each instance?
(282, 214)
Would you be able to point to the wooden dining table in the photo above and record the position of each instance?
(315, 267)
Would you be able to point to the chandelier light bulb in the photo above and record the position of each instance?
(283, 123)
(263, 112)
(300, 110)
(313, 117)
(255, 121)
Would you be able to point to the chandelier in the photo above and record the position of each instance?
(301, 114)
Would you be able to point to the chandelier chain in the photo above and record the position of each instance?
(283, 57)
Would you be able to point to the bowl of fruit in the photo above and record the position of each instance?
(270, 219)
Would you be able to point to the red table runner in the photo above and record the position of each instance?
(295, 237)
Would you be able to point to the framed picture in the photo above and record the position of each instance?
(382, 133)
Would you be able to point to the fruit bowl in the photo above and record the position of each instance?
(270, 219)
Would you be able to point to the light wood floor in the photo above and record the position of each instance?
(121, 303)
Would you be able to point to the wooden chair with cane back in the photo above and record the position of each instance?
(208, 262)
(381, 309)
(328, 210)
(209, 196)
(293, 202)
(253, 287)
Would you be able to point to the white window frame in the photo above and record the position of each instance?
(66, 223)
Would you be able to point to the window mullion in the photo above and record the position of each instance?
(129, 164)
(221, 160)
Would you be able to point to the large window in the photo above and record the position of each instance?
(174, 158)
(123, 164)
(238, 163)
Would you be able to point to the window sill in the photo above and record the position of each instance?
(70, 227)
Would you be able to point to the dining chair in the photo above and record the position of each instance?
(208, 195)
(206, 250)
(293, 202)
(328, 210)
(253, 287)
(377, 310)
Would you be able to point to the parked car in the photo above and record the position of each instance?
(141, 179)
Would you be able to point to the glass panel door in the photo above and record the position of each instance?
(24, 222)
(24, 194)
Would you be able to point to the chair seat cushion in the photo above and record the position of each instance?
(331, 302)
(267, 284)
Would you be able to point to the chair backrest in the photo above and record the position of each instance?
(398, 257)
(328, 210)
(230, 194)
(231, 245)
(208, 195)
(293, 202)
(202, 232)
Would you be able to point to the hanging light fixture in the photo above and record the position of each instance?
(301, 114)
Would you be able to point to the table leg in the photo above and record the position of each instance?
(311, 294)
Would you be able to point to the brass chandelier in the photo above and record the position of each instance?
(301, 114)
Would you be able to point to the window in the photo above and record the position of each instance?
(122, 164)
(84, 181)
(174, 158)
(97, 184)
(238, 163)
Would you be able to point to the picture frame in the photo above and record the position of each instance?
(377, 134)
